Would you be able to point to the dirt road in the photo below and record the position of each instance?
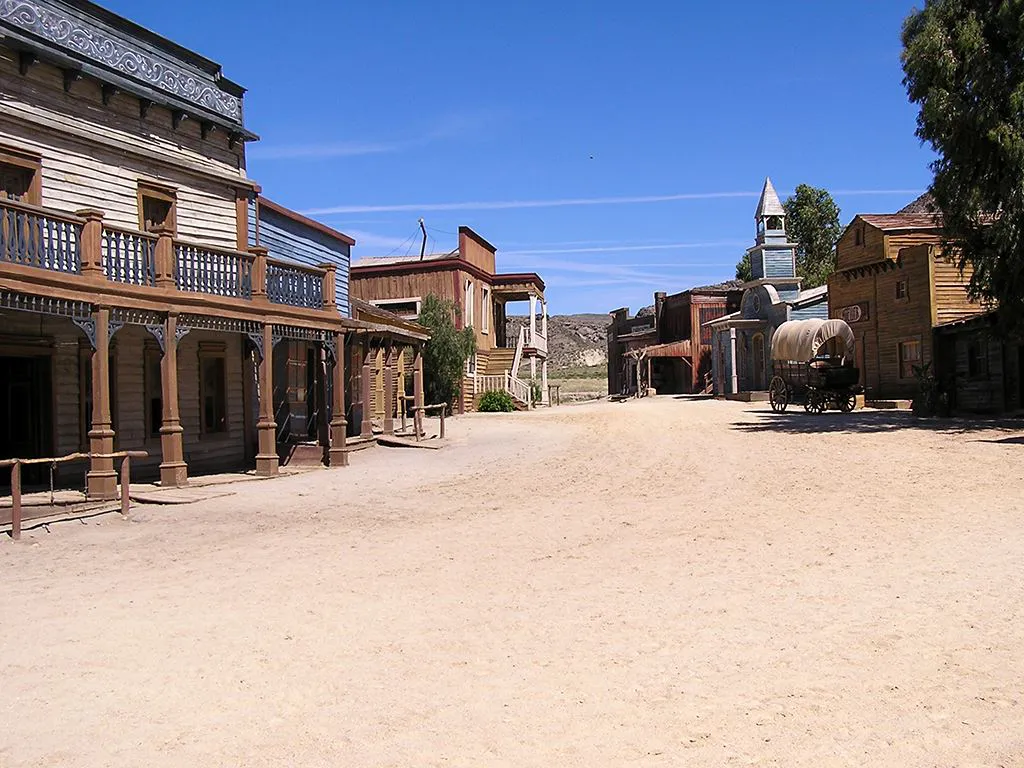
(657, 583)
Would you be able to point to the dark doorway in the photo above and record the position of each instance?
(25, 415)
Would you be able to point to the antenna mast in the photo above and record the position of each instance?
(423, 245)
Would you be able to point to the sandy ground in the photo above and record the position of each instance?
(658, 583)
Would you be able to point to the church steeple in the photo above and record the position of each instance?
(773, 257)
(770, 215)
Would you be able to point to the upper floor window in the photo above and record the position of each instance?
(20, 177)
(469, 304)
(485, 310)
(858, 236)
(902, 289)
(158, 207)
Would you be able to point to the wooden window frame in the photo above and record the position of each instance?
(485, 315)
(981, 372)
(900, 360)
(161, 192)
(387, 304)
(211, 352)
(470, 301)
(905, 283)
(29, 161)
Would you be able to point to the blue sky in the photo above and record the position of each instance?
(614, 148)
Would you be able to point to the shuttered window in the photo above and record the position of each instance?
(910, 356)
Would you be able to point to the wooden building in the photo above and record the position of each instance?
(893, 285)
(742, 340)
(135, 313)
(467, 276)
(979, 371)
(671, 338)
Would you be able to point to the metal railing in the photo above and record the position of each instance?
(129, 257)
(17, 464)
(39, 238)
(295, 285)
(202, 269)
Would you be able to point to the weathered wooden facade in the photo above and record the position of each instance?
(894, 284)
(467, 276)
(672, 339)
(134, 312)
(979, 371)
(741, 341)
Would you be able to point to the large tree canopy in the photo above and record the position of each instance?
(445, 355)
(964, 66)
(812, 222)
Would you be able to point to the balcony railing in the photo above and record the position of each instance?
(201, 269)
(129, 257)
(36, 237)
(295, 284)
(82, 244)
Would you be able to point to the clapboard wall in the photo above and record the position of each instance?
(93, 155)
(287, 238)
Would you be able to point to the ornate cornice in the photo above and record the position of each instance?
(90, 41)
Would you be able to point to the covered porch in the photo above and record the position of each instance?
(528, 345)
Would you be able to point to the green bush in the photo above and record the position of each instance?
(496, 401)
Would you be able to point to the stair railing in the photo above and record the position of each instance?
(520, 346)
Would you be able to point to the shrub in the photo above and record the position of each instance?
(445, 354)
(495, 401)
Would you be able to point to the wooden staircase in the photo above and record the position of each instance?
(499, 361)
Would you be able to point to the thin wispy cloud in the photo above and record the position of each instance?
(500, 205)
(326, 150)
(625, 248)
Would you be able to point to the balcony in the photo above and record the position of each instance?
(82, 244)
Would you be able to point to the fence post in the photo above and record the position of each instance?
(126, 471)
(442, 409)
(16, 501)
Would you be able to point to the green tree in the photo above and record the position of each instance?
(445, 354)
(964, 69)
(812, 223)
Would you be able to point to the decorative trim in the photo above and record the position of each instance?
(73, 34)
(180, 332)
(88, 326)
(158, 334)
(113, 327)
(45, 306)
(295, 332)
(256, 337)
(135, 317)
(331, 349)
(221, 324)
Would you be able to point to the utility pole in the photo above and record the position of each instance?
(423, 245)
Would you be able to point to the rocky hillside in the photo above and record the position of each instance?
(573, 340)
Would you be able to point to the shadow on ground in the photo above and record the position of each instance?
(872, 422)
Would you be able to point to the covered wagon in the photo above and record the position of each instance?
(813, 361)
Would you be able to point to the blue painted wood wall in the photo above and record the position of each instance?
(292, 241)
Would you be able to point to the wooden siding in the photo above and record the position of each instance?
(476, 254)
(779, 262)
(809, 312)
(441, 283)
(849, 254)
(290, 240)
(951, 299)
(93, 156)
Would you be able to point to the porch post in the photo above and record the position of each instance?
(544, 399)
(533, 319)
(734, 372)
(173, 469)
(91, 248)
(417, 390)
(366, 428)
(389, 390)
(338, 456)
(544, 320)
(267, 462)
(101, 479)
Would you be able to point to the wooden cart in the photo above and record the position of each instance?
(812, 364)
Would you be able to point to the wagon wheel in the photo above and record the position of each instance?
(778, 394)
(815, 402)
(847, 402)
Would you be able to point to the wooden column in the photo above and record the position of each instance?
(734, 377)
(338, 456)
(267, 463)
(417, 390)
(91, 246)
(533, 320)
(389, 391)
(366, 428)
(173, 469)
(163, 258)
(330, 286)
(101, 479)
(241, 219)
(259, 273)
(544, 397)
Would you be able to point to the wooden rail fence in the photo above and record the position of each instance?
(17, 464)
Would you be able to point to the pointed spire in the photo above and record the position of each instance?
(769, 204)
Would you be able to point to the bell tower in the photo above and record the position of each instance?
(773, 257)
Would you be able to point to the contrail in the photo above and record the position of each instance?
(500, 205)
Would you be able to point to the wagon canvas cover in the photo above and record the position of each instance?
(801, 339)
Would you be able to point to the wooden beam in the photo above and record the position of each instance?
(144, 105)
(71, 76)
(233, 140)
(206, 128)
(25, 61)
(177, 117)
(108, 92)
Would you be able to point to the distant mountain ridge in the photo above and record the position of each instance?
(573, 340)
